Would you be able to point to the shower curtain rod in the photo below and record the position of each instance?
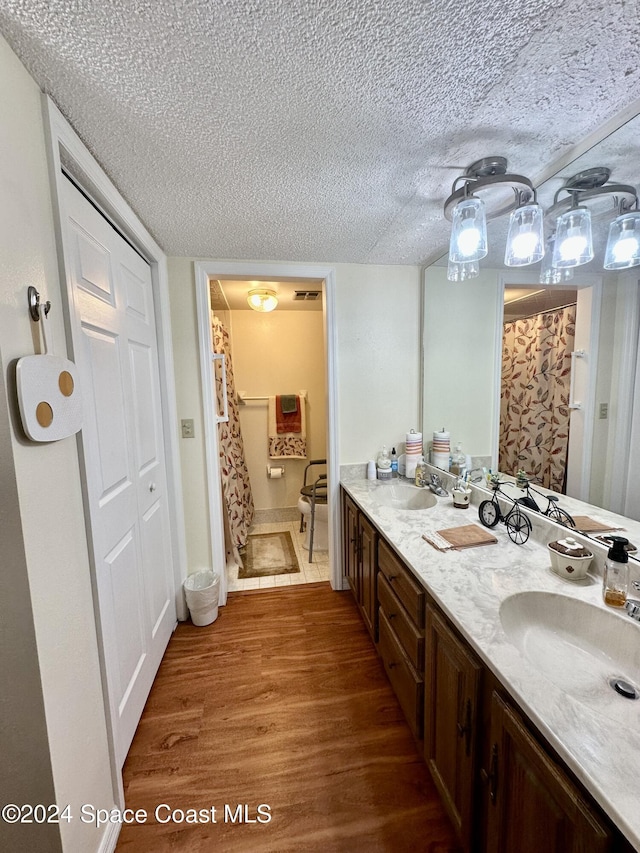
(242, 397)
(544, 311)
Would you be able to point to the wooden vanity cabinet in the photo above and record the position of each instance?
(360, 557)
(532, 804)
(453, 723)
(503, 787)
(401, 634)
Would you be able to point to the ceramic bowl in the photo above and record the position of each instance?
(569, 558)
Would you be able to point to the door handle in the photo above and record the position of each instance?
(492, 776)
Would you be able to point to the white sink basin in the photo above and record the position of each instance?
(580, 647)
(403, 496)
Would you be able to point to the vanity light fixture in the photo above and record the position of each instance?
(525, 240)
(487, 191)
(548, 273)
(462, 272)
(262, 299)
(623, 245)
(590, 198)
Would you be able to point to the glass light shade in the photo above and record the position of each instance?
(574, 244)
(553, 275)
(623, 245)
(468, 231)
(461, 272)
(525, 240)
(262, 299)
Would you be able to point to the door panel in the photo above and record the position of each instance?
(93, 269)
(146, 438)
(114, 337)
(102, 355)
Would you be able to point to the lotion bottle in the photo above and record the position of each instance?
(615, 584)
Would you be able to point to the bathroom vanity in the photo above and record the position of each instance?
(492, 658)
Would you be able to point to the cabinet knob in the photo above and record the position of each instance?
(391, 664)
(391, 616)
(152, 487)
(392, 577)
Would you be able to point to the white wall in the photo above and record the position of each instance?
(48, 485)
(378, 342)
(281, 352)
(460, 359)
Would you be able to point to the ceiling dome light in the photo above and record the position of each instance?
(525, 240)
(623, 245)
(262, 299)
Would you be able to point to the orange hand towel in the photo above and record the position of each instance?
(287, 422)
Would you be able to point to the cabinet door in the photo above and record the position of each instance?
(368, 563)
(533, 805)
(451, 722)
(351, 545)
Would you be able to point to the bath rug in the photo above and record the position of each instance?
(268, 554)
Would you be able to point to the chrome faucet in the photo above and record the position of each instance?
(632, 605)
(435, 485)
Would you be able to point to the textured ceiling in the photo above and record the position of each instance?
(321, 130)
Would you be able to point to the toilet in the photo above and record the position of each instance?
(321, 532)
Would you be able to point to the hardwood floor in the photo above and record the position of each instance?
(282, 701)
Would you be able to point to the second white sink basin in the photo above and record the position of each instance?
(580, 647)
(403, 496)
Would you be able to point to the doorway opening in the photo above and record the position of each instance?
(287, 353)
(270, 357)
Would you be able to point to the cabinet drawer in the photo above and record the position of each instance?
(402, 583)
(408, 687)
(410, 638)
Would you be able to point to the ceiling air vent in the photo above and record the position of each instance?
(306, 295)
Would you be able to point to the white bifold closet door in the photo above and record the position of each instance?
(115, 349)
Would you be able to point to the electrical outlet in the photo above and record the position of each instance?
(187, 428)
(604, 411)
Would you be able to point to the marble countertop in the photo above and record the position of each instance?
(470, 585)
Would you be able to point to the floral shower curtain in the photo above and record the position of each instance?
(534, 404)
(236, 488)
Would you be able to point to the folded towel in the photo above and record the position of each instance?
(287, 421)
(289, 403)
(288, 445)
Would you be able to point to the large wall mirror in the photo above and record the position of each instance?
(479, 333)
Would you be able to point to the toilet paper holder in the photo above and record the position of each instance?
(275, 472)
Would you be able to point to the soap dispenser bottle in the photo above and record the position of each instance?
(615, 584)
(383, 464)
(394, 463)
(458, 461)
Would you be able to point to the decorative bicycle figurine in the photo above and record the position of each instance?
(552, 511)
(517, 524)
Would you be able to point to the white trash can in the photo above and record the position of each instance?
(202, 590)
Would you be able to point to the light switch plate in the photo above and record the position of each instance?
(604, 411)
(187, 428)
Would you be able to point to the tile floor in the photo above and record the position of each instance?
(318, 570)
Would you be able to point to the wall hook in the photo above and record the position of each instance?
(34, 304)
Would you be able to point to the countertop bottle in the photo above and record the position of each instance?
(394, 463)
(458, 461)
(615, 584)
(421, 472)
